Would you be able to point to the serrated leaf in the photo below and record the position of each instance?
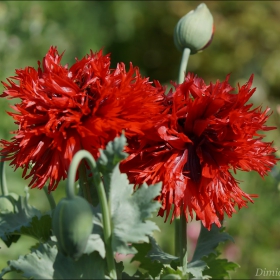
(98, 231)
(154, 267)
(206, 244)
(156, 253)
(109, 158)
(112, 155)
(106, 162)
(130, 211)
(26, 219)
(39, 228)
(196, 268)
(46, 263)
(218, 268)
(10, 239)
(95, 243)
(209, 240)
(169, 273)
(37, 265)
(86, 267)
(153, 259)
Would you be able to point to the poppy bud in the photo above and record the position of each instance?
(72, 225)
(194, 30)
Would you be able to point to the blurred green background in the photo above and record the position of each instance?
(246, 41)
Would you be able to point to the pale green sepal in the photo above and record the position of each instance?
(194, 30)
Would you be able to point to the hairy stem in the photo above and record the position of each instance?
(102, 199)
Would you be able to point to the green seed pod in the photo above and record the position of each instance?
(72, 225)
(194, 30)
(6, 206)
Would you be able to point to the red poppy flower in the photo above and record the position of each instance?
(208, 132)
(64, 110)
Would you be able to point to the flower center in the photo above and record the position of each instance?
(192, 167)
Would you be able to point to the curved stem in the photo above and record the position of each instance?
(83, 182)
(183, 65)
(103, 202)
(3, 183)
(50, 198)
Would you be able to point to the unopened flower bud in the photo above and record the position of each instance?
(72, 225)
(195, 30)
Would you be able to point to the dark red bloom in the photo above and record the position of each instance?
(63, 110)
(208, 132)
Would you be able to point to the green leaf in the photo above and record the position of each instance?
(26, 220)
(46, 263)
(218, 268)
(106, 162)
(130, 211)
(97, 232)
(208, 240)
(154, 267)
(170, 273)
(112, 155)
(39, 228)
(9, 239)
(172, 276)
(95, 243)
(37, 265)
(109, 158)
(137, 275)
(154, 260)
(156, 253)
(206, 244)
(196, 268)
(86, 267)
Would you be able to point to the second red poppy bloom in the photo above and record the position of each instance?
(208, 132)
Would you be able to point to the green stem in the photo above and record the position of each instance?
(3, 183)
(177, 237)
(183, 238)
(50, 198)
(107, 229)
(103, 202)
(183, 65)
(181, 224)
(83, 182)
